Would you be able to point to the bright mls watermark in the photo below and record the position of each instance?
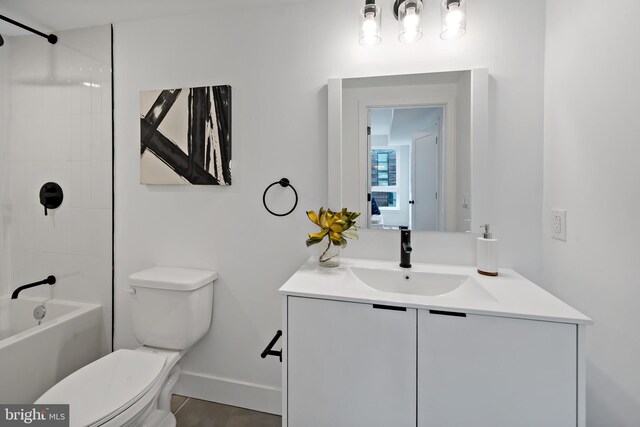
(34, 415)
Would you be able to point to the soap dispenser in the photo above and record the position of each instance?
(487, 253)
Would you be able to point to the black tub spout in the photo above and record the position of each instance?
(50, 280)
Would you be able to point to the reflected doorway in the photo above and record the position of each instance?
(406, 167)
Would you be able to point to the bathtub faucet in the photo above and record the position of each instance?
(50, 280)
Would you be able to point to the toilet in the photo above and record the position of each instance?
(171, 310)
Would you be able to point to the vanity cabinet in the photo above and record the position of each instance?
(349, 364)
(495, 371)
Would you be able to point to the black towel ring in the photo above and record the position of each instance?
(284, 182)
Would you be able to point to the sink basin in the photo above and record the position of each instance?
(421, 283)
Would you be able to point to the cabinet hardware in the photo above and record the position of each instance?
(389, 307)
(268, 350)
(448, 313)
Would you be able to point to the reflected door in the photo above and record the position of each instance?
(425, 201)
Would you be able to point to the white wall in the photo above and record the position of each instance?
(278, 60)
(463, 155)
(591, 169)
(60, 130)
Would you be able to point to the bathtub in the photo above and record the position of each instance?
(34, 357)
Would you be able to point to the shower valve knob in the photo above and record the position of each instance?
(51, 196)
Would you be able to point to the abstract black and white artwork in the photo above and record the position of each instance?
(185, 136)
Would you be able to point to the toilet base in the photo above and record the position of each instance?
(160, 418)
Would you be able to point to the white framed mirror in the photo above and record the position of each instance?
(411, 150)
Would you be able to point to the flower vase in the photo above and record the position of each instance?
(329, 255)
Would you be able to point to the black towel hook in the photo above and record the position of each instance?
(284, 182)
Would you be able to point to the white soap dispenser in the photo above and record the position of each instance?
(487, 253)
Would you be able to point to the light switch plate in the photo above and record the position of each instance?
(559, 224)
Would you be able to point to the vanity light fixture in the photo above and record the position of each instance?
(454, 19)
(370, 24)
(409, 15)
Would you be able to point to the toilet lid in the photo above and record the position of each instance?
(107, 386)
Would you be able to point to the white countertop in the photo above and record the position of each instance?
(511, 294)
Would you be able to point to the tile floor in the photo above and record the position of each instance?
(192, 412)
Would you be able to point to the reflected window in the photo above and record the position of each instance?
(383, 168)
(385, 199)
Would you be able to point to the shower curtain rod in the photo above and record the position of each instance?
(51, 38)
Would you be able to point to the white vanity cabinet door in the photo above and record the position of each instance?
(350, 365)
(485, 371)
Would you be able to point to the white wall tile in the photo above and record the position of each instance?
(98, 137)
(85, 92)
(55, 142)
(52, 98)
(81, 136)
(106, 87)
(54, 231)
(5, 183)
(81, 185)
(5, 272)
(106, 144)
(96, 94)
(21, 103)
(91, 232)
(56, 128)
(20, 223)
(19, 183)
(83, 278)
(101, 195)
(64, 106)
(3, 245)
(35, 137)
(75, 93)
(25, 268)
(20, 135)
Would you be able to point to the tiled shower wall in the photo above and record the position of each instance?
(4, 171)
(59, 129)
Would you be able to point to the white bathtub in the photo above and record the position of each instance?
(34, 357)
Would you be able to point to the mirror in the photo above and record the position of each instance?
(411, 149)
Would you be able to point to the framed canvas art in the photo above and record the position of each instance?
(185, 136)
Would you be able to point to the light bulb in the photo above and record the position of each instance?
(410, 26)
(370, 25)
(453, 19)
(411, 20)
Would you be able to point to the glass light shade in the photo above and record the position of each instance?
(454, 19)
(410, 19)
(370, 25)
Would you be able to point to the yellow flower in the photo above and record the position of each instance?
(335, 225)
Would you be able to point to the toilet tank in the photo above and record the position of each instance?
(171, 306)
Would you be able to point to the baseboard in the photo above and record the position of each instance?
(228, 391)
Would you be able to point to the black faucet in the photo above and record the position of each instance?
(405, 247)
(50, 280)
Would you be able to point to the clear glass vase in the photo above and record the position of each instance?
(328, 254)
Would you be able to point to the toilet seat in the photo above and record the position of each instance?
(107, 387)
